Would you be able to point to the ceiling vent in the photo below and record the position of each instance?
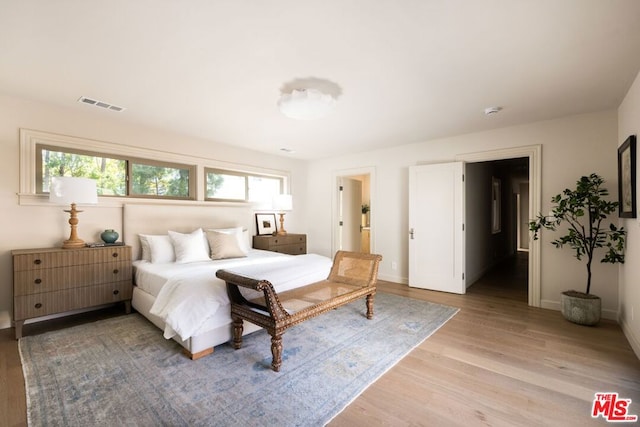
(101, 104)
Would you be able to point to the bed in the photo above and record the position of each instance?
(175, 284)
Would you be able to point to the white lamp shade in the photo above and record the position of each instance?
(306, 104)
(67, 190)
(282, 202)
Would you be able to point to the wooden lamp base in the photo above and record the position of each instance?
(74, 241)
(282, 231)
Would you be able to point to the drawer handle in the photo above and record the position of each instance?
(115, 254)
(116, 271)
(116, 292)
(38, 305)
(37, 281)
(37, 261)
(275, 241)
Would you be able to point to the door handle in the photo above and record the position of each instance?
(411, 233)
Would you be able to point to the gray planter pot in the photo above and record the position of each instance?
(580, 308)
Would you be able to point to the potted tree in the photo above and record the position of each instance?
(583, 210)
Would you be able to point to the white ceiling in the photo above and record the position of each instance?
(407, 70)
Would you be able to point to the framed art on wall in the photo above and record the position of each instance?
(496, 205)
(627, 178)
(265, 223)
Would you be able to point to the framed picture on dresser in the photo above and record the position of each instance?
(266, 223)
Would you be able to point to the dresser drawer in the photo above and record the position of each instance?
(49, 258)
(36, 305)
(53, 279)
(291, 249)
(288, 239)
(293, 244)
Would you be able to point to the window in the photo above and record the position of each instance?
(225, 185)
(115, 175)
(123, 172)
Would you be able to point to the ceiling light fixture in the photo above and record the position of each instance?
(306, 104)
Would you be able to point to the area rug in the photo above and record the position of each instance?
(121, 371)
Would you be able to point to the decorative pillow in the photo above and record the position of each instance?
(160, 248)
(242, 234)
(227, 244)
(190, 247)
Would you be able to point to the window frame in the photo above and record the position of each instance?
(129, 164)
(29, 138)
(246, 175)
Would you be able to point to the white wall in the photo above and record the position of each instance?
(44, 226)
(571, 147)
(629, 289)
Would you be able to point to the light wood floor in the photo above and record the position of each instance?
(498, 362)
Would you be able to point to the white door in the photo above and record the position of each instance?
(350, 214)
(436, 234)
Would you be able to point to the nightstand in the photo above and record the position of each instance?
(51, 281)
(292, 244)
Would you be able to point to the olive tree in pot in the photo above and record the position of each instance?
(583, 210)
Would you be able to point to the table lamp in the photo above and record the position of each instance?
(282, 203)
(75, 191)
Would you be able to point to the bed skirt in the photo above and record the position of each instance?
(201, 344)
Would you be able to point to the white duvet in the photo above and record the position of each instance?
(192, 293)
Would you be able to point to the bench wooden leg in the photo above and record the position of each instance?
(276, 352)
(237, 332)
(370, 306)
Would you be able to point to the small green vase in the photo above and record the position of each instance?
(109, 236)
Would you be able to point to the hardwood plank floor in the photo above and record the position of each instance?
(498, 362)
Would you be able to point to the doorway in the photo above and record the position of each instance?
(497, 238)
(532, 155)
(353, 216)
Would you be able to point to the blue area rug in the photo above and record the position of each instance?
(121, 371)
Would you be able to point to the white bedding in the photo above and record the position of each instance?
(188, 295)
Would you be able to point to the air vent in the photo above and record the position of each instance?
(101, 104)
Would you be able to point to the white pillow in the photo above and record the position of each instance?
(160, 248)
(190, 247)
(144, 245)
(227, 244)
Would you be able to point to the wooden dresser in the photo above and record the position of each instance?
(292, 244)
(50, 281)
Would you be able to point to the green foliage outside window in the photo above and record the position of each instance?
(110, 174)
(168, 180)
(159, 181)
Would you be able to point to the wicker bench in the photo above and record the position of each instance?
(353, 275)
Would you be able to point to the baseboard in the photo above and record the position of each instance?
(555, 305)
(394, 279)
(633, 339)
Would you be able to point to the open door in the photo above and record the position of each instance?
(350, 214)
(436, 227)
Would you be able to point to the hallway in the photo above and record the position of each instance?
(508, 279)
